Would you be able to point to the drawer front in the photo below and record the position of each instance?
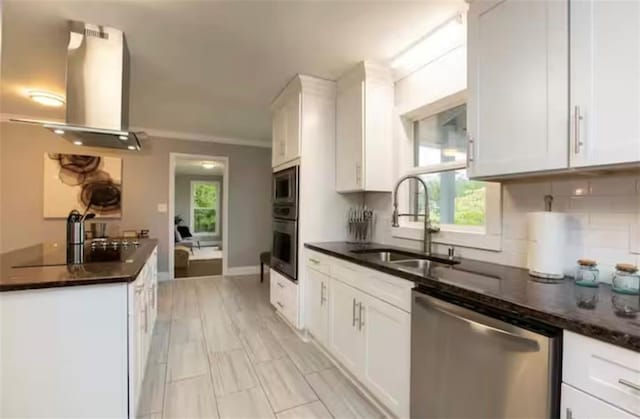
(284, 296)
(317, 261)
(576, 404)
(395, 291)
(605, 371)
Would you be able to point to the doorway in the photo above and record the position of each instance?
(198, 215)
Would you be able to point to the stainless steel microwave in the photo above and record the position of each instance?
(285, 187)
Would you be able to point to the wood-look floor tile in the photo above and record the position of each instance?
(186, 330)
(187, 360)
(283, 384)
(220, 336)
(246, 404)
(340, 396)
(165, 300)
(159, 347)
(261, 346)
(278, 327)
(231, 372)
(156, 415)
(313, 410)
(307, 357)
(185, 300)
(152, 390)
(191, 398)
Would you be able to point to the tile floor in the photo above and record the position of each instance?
(219, 351)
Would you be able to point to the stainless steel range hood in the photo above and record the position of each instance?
(97, 90)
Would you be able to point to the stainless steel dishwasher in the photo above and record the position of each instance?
(468, 361)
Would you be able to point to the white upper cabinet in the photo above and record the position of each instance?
(518, 86)
(605, 82)
(286, 126)
(363, 129)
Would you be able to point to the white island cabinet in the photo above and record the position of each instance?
(76, 351)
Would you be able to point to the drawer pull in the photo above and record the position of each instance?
(629, 384)
(279, 304)
(280, 285)
(312, 260)
(353, 313)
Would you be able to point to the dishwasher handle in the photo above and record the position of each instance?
(530, 343)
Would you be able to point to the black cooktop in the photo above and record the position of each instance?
(91, 252)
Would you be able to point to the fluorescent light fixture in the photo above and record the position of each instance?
(208, 165)
(58, 131)
(131, 147)
(77, 142)
(124, 137)
(46, 98)
(443, 39)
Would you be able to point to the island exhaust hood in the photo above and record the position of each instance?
(97, 90)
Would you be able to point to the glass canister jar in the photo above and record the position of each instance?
(587, 273)
(626, 280)
(626, 291)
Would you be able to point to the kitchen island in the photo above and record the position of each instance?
(75, 337)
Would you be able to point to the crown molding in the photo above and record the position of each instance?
(158, 133)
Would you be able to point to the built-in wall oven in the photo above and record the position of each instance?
(284, 248)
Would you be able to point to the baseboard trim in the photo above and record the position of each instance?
(242, 270)
(163, 276)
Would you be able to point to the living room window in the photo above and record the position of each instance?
(205, 207)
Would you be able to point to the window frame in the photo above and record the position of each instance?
(490, 236)
(192, 207)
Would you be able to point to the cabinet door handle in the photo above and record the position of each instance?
(469, 149)
(569, 413)
(312, 260)
(280, 285)
(358, 174)
(577, 118)
(322, 293)
(279, 304)
(629, 384)
(353, 313)
(360, 318)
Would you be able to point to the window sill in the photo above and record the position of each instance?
(475, 240)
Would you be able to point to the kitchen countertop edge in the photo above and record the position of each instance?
(146, 250)
(592, 330)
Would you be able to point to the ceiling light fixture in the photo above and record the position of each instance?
(124, 137)
(58, 131)
(131, 147)
(46, 98)
(448, 36)
(208, 165)
(77, 142)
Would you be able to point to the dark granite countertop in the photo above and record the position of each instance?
(20, 270)
(510, 289)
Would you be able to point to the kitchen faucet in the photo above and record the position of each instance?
(428, 229)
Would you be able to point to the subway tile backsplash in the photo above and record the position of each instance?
(603, 212)
(603, 215)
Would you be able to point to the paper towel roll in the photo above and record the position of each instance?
(547, 244)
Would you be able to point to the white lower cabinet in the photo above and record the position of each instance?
(600, 380)
(283, 295)
(387, 353)
(317, 304)
(579, 405)
(346, 343)
(368, 336)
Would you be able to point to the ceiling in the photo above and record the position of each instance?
(208, 67)
(194, 167)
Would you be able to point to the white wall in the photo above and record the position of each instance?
(604, 209)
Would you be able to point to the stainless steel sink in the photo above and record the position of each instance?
(414, 264)
(385, 256)
(397, 257)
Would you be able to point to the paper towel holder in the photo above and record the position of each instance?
(548, 202)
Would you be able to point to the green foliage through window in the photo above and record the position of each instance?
(205, 204)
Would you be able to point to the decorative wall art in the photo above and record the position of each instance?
(73, 181)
